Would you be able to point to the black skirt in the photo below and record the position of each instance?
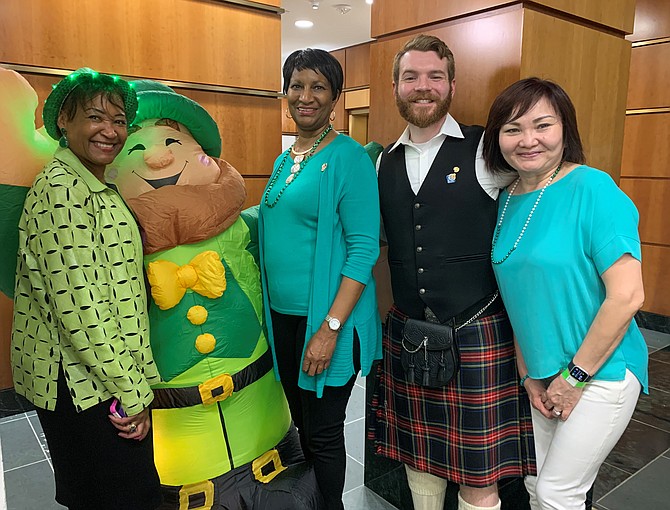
(94, 468)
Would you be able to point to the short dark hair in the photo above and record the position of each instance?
(87, 89)
(515, 101)
(316, 60)
(423, 42)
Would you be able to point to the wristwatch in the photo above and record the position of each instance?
(333, 323)
(576, 375)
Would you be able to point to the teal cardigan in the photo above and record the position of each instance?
(349, 172)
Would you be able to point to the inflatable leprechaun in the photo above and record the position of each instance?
(25, 151)
(223, 437)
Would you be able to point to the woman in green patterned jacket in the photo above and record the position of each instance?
(80, 331)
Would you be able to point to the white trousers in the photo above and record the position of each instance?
(569, 453)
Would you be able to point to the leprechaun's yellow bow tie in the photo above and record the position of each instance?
(204, 274)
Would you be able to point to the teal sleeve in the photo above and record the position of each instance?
(614, 225)
(250, 217)
(359, 212)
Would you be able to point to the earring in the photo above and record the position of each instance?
(332, 116)
(288, 114)
(63, 139)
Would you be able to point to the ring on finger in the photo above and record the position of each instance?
(557, 413)
(132, 428)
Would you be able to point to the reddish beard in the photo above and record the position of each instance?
(422, 118)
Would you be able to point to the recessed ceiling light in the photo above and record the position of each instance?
(369, 2)
(304, 23)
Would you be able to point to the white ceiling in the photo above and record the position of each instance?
(331, 29)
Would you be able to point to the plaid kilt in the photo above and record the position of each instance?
(475, 430)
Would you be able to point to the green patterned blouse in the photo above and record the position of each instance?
(80, 298)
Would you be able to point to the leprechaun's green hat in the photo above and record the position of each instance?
(158, 101)
(94, 80)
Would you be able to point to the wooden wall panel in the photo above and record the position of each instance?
(357, 99)
(652, 20)
(650, 76)
(287, 123)
(5, 337)
(617, 14)
(487, 52)
(341, 122)
(574, 56)
(184, 40)
(655, 264)
(646, 151)
(255, 188)
(397, 15)
(357, 72)
(652, 198)
(42, 84)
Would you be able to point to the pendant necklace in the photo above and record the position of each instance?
(525, 225)
(298, 164)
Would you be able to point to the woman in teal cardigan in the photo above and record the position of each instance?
(319, 238)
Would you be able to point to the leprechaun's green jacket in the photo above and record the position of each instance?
(199, 442)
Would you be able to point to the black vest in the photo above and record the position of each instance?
(439, 240)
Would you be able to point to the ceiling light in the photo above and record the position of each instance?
(315, 4)
(342, 8)
(369, 2)
(304, 23)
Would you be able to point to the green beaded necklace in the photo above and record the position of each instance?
(298, 164)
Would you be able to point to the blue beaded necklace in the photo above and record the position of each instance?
(298, 164)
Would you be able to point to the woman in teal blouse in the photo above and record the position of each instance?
(319, 238)
(566, 253)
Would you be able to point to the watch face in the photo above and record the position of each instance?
(334, 324)
(579, 374)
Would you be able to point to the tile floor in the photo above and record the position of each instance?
(635, 475)
(28, 475)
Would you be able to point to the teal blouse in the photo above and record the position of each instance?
(346, 244)
(551, 284)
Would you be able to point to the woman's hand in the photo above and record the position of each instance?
(133, 427)
(538, 396)
(319, 351)
(562, 398)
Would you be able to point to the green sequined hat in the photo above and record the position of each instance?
(158, 101)
(54, 102)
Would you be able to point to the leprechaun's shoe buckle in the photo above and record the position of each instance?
(267, 466)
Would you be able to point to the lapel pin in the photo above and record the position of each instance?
(324, 166)
(451, 178)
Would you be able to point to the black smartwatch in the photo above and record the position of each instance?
(576, 375)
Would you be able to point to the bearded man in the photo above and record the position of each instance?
(438, 206)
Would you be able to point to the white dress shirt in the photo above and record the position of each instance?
(419, 157)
